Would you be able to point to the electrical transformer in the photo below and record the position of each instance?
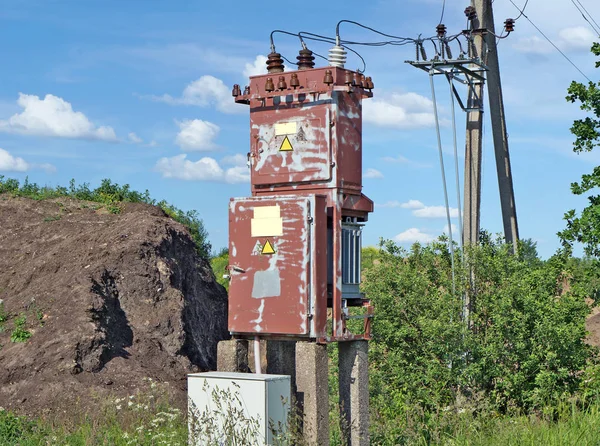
(295, 245)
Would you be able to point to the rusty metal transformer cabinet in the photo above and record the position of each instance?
(295, 245)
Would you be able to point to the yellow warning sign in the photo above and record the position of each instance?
(286, 145)
(268, 248)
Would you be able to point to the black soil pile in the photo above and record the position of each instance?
(96, 303)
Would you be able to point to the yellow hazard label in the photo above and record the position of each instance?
(268, 248)
(286, 145)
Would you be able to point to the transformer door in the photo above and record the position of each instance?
(274, 265)
(292, 147)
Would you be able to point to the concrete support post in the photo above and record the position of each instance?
(313, 392)
(281, 360)
(354, 391)
(232, 356)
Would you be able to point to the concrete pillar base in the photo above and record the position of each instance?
(281, 360)
(232, 356)
(354, 391)
(312, 391)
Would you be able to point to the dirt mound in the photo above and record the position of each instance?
(100, 302)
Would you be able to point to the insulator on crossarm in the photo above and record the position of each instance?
(448, 50)
(509, 25)
(423, 53)
(441, 30)
(471, 13)
(306, 60)
(337, 56)
(274, 63)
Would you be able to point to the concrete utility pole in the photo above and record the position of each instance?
(474, 138)
(485, 46)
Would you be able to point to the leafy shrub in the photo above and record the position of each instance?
(524, 351)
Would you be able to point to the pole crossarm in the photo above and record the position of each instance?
(469, 72)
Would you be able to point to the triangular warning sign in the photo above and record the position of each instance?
(268, 248)
(286, 145)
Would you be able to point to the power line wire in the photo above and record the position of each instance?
(594, 25)
(590, 15)
(550, 41)
(522, 11)
(443, 9)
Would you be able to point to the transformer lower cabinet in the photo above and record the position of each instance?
(307, 365)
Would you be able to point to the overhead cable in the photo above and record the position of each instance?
(551, 42)
(579, 8)
(439, 140)
(443, 9)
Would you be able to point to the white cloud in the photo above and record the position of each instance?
(49, 168)
(395, 159)
(410, 204)
(413, 235)
(533, 45)
(134, 138)
(372, 173)
(574, 38)
(577, 38)
(12, 163)
(53, 116)
(152, 143)
(205, 169)
(401, 110)
(434, 212)
(454, 229)
(197, 135)
(259, 66)
(238, 160)
(420, 210)
(207, 91)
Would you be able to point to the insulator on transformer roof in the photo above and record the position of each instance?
(274, 63)
(306, 60)
(337, 56)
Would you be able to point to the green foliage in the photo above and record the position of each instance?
(111, 196)
(195, 225)
(20, 333)
(15, 429)
(145, 419)
(219, 264)
(524, 352)
(585, 228)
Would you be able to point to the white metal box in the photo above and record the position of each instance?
(237, 408)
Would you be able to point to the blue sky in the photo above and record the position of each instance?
(139, 92)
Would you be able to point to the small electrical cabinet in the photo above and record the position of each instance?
(261, 402)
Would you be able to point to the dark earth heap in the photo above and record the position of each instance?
(110, 300)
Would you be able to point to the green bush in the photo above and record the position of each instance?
(524, 351)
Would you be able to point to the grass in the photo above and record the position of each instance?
(576, 427)
(142, 419)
